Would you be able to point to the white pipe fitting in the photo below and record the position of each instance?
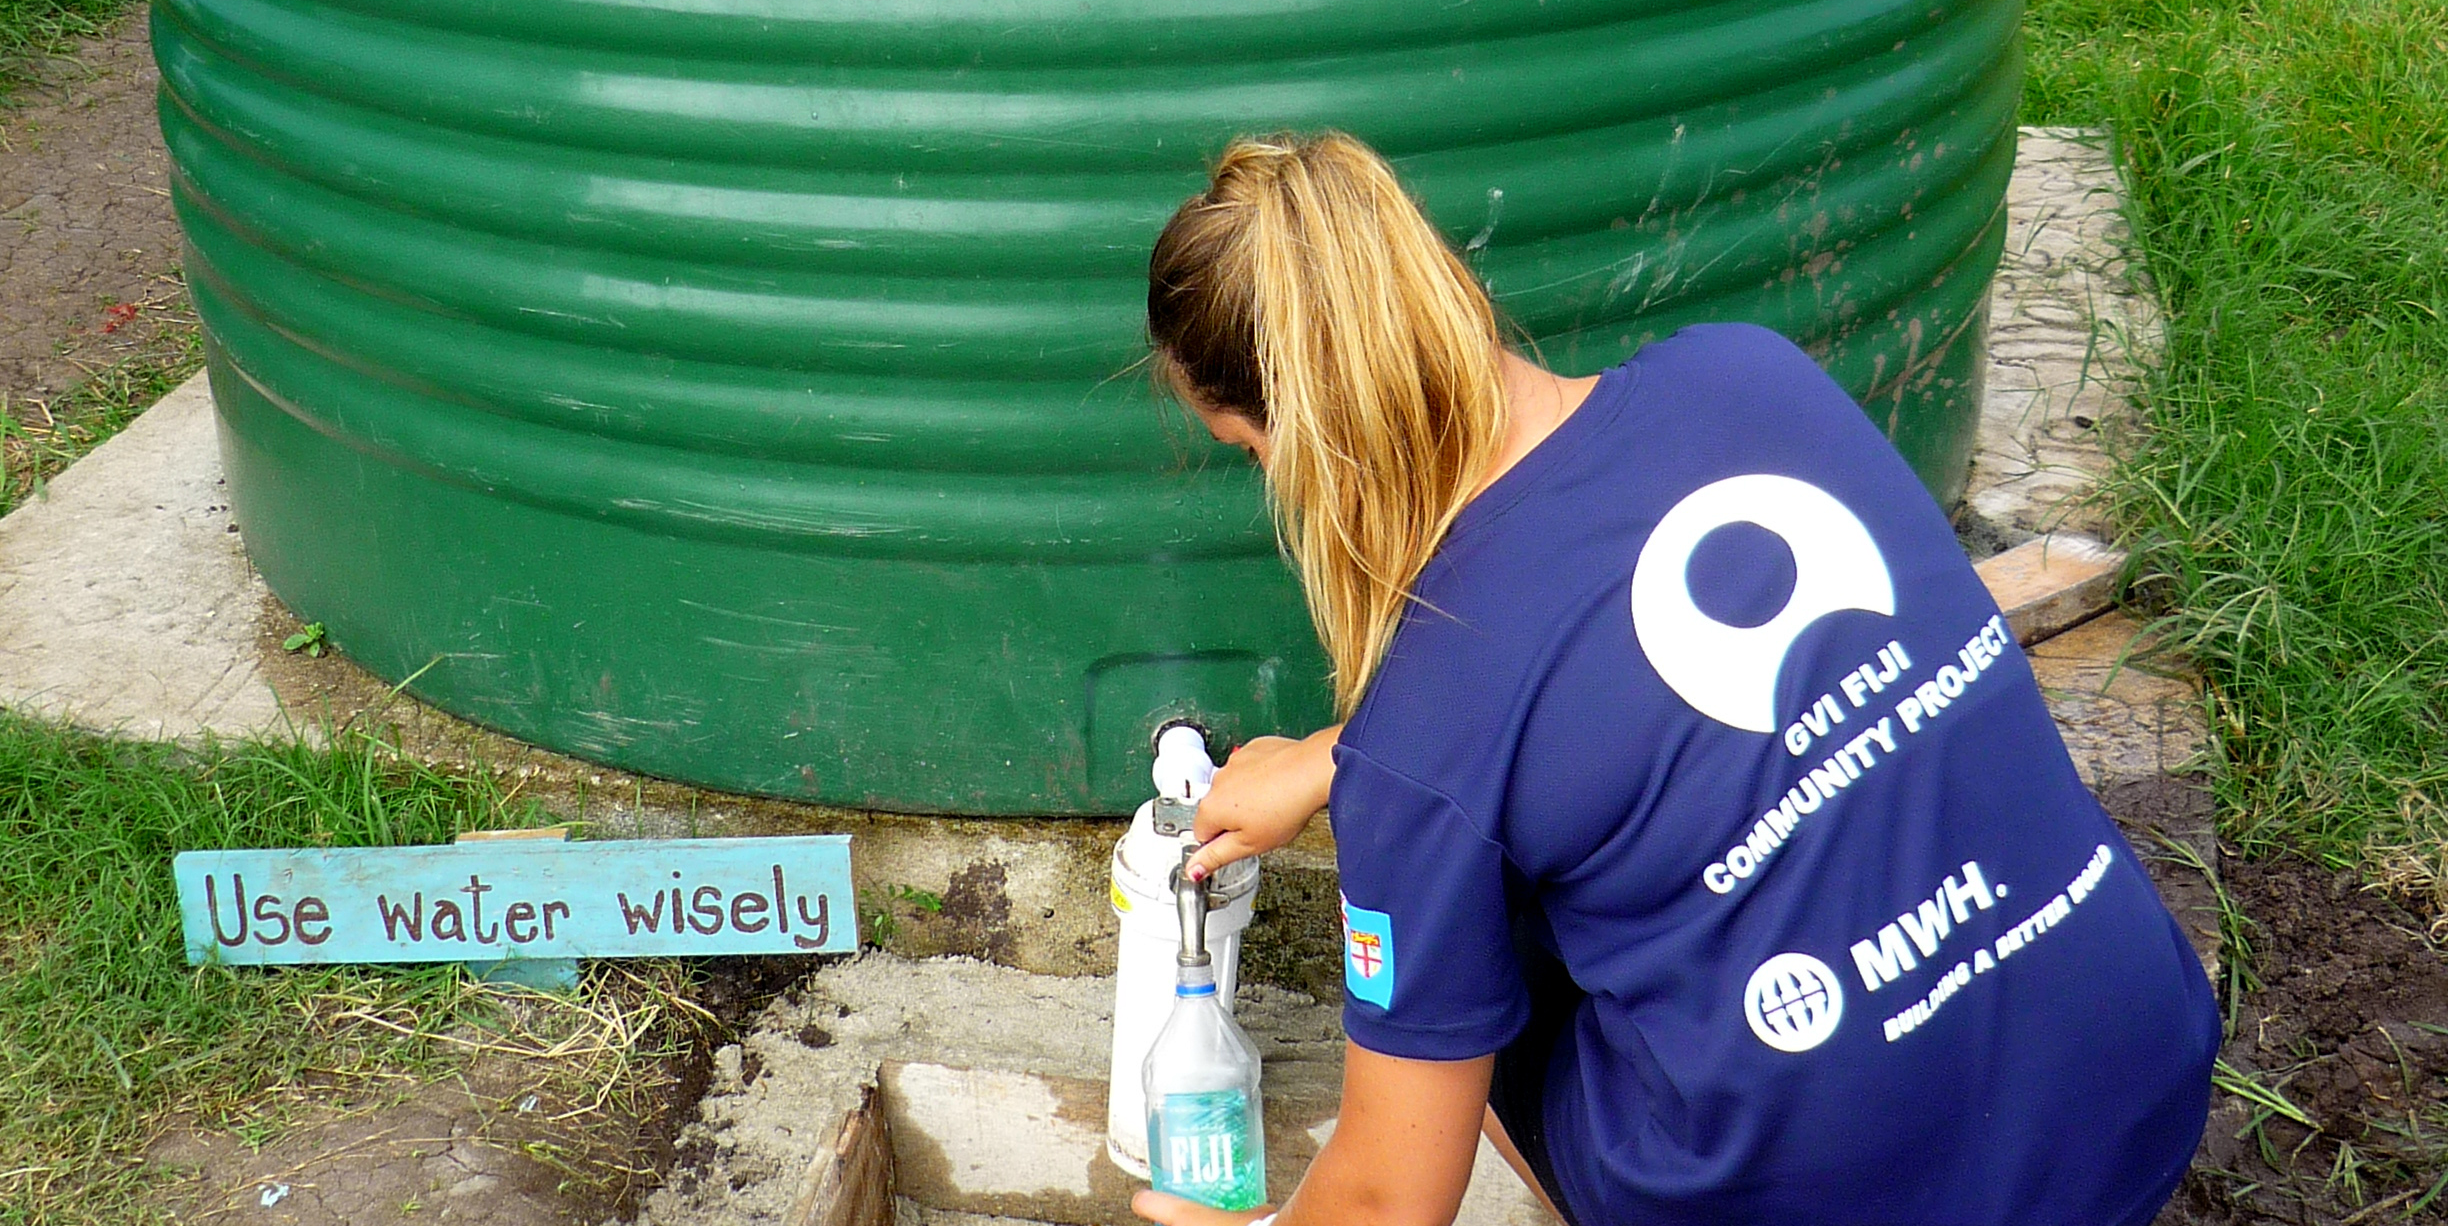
(1141, 890)
(1182, 769)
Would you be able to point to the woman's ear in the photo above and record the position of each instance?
(1229, 426)
(1232, 428)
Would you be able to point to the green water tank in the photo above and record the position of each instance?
(744, 391)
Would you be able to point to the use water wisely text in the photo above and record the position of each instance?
(478, 902)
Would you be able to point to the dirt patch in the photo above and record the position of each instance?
(1982, 537)
(2342, 1020)
(734, 992)
(512, 1139)
(2333, 997)
(89, 251)
(495, 1143)
(2169, 820)
(978, 910)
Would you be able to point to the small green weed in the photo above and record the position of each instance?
(310, 640)
(2267, 1100)
(880, 921)
(2237, 930)
(913, 896)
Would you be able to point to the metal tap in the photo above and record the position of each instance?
(1191, 915)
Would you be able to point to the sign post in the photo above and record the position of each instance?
(514, 900)
(542, 974)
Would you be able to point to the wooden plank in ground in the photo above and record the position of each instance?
(2051, 583)
(851, 1182)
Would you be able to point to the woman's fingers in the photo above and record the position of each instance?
(1176, 1211)
(1219, 852)
(1261, 799)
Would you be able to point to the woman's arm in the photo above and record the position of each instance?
(1263, 797)
(1401, 1156)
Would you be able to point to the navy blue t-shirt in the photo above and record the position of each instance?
(1707, 687)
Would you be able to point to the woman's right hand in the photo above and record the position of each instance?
(1176, 1211)
(1262, 798)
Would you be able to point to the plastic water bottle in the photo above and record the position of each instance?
(1202, 1084)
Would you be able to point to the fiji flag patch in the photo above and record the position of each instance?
(1370, 954)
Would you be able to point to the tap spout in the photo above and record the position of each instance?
(1191, 915)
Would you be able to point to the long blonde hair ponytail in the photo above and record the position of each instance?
(1306, 291)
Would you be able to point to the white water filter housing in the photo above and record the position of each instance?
(1141, 889)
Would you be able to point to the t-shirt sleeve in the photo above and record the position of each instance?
(1430, 966)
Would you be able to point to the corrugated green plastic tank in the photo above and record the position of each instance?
(744, 391)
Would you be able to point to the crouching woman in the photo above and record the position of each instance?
(1703, 837)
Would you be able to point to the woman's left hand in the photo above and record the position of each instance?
(1176, 1211)
(1262, 798)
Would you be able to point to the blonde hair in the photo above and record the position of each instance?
(1306, 292)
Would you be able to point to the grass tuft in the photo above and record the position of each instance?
(2285, 163)
(106, 1033)
(34, 30)
(39, 438)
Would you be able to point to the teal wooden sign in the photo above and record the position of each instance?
(519, 899)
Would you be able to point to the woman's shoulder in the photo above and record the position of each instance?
(1740, 388)
(1733, 333)
(1729, 349)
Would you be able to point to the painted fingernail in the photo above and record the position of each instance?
(1200, 872)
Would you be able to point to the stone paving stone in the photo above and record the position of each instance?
(2069, 332)
(2122, 718)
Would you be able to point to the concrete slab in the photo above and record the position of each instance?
(2070, 333)
(991, 1089)
(125, 600)
(2124, 715)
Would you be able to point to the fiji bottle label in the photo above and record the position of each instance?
(1206, 1147)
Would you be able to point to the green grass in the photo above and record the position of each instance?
(105, 1031)
(38, 438)
(2285, 161)
(33, 29)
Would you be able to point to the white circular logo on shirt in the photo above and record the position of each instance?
(1731, 673)
(1793, 1002)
